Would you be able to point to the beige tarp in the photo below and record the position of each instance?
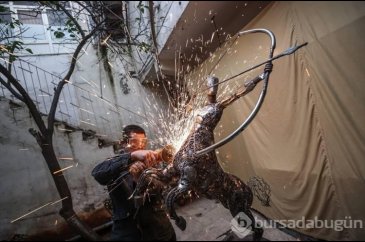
(308, 140)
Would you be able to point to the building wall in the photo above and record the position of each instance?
(24, 174)
(166, 15)
(26, 183)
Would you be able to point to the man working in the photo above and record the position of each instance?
(119, 174)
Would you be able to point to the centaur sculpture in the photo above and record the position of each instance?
(195, 164)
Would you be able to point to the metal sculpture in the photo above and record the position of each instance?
(195, 164)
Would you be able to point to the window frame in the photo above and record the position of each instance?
(16, 15)
(49, 40)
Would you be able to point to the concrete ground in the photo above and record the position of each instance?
(207, 219)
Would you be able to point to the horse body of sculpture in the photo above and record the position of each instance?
(195, 164)
(203, 173)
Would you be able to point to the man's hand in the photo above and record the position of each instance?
(136, 169)
(149, 157)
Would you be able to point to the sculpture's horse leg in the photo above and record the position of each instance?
(153, 175)
(186, 182)
(147, 177)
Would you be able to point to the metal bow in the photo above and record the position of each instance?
(261, 98)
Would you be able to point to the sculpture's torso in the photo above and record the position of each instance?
(207, 168)
(203, 174)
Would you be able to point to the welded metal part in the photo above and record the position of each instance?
(195, 164)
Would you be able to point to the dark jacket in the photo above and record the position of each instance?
(151, 217)
(114, 174)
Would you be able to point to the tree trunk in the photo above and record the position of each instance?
(67, 211)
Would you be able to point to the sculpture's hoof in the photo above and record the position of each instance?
(181, 223)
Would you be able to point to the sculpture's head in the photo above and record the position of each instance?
(210, 114)
(213, 89)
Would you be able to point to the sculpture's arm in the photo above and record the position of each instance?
(248, 87)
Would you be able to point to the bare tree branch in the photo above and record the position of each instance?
(52, 112)
(72, 19)
(152, 22)
(92, 15)
(26, 99)
(8, 86)
(11, 53)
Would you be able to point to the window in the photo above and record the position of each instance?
(40, 25)
(114, 20)
(27, 3)
(32, 27)
(57, 18)
(5, 20)
(5, 16)
(57, 21)
(35, 3)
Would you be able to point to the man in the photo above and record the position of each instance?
(120, 174)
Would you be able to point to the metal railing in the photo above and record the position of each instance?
(78, 106)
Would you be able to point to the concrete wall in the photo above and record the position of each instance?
(167, 14)
(24, 174)
(25, 179)
(26, 183)
(167, 17)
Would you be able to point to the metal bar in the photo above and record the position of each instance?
(23, 69)
(71, 97)
(35, 92)
(87, 123)
(88, 99)
(40, 86)
(64, 100)
(75, 105)
(113, 111)
(45, 92)
(65, 114)
(87, 111)
(42, 69)
(92, 107)
(46, 81)
(288, 51)
(2, 89)
(25, 81)
(16, 75)
(104, 119)
(258, 104)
